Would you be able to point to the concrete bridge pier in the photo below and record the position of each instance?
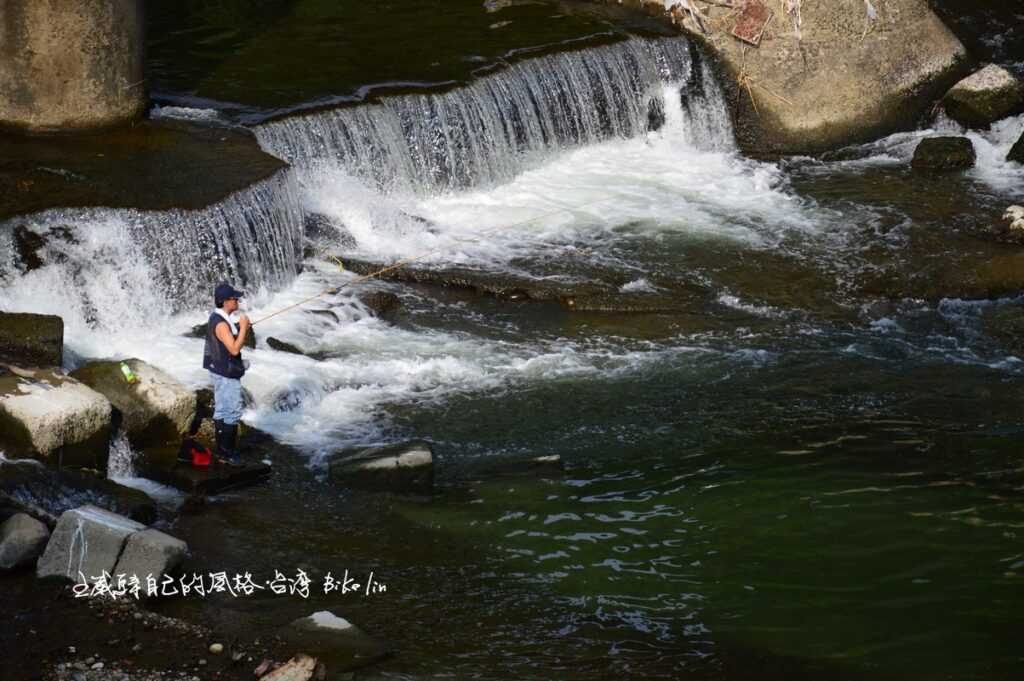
(70, 65)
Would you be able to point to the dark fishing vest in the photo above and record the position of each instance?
(216, 357)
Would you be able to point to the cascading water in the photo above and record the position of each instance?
(102, 268)
(491, 130)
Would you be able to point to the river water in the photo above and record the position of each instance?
(812, 469)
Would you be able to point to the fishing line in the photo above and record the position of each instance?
(400, 263)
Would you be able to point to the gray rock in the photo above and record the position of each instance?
(944, 153)
(406, 467)
(984, 97)
(52, 417)
(31, 339)
(335, 641)
(151, 553)
(155, 410)
(87, 542)
(540, 466)
(22, 541)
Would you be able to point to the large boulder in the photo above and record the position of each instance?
(34, 340)
(839, 78)
(984, 97)
(22, 541)
(406, 467)
(156, 409)
(339, 644)
(1017, 151)
(944, 153)
(86, 543)
(54, 418)
(150, 554)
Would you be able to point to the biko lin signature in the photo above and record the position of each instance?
(238, 585)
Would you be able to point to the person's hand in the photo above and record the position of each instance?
(244, 322)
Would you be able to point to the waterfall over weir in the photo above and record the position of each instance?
(96, 265)
(492, 129)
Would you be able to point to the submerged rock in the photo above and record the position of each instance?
(282, 346)
(944, 153)
(506, 286)
(155, 410)
(86, 543)
(984, 97)
(633, 303)
(406, 467)
(337, 642)
(33, 340)
(22, 541)
(381, 303)
(534, 466)
(54, 418)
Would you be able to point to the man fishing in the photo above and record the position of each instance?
(222, 356)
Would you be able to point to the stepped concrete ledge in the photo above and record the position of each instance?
(841, 78)
(154, 165)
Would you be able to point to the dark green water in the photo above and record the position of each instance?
(814, 472)
(830, 491)
(278, 55)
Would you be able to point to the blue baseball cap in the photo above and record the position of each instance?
(225, 291)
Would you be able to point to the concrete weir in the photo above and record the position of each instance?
(70, 65)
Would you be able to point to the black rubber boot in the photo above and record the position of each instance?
(225, 436)
(232, 438)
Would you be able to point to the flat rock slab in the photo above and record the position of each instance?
(502, 285)
(86, 543)
(162, 465)
(405, 467)
(54, 418)
(46, 493)
(154, 165)
(156, 409)
(22, 541)
(31, 339)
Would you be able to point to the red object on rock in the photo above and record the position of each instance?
(201, 456)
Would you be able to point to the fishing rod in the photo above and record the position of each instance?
(401, 263)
